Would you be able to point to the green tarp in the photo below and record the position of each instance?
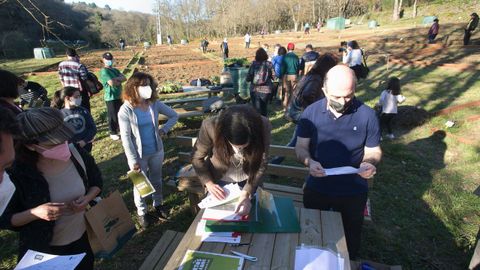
(337, 23)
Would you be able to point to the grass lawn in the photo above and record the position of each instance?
(425, 215)
(22, 66)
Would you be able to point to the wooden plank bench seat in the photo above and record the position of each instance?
(163, 250)
(172, 102)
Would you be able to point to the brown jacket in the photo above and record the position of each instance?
(207, 164)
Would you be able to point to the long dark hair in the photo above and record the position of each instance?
(282, 51)
(261, 55)
(9, 83)
(394, 85)
(60, 95)
(241, 124)
(323, 64)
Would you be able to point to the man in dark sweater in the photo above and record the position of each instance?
(290, 66)
(472, 24)
(308, 60)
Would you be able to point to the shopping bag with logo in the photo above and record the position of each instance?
(109, 225)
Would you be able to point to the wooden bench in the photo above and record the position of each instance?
(181, 101)
(295, 193)
(163, 250)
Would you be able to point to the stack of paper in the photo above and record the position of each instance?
(223, 211)
(221, 237)
(34, 260)
(314, 258)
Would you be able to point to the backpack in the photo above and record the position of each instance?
(259, 74)
(94, 86)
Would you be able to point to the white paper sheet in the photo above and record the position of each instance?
(309, 258)
(221, 237)
(232, 191)
(34, 260)
(341, 170)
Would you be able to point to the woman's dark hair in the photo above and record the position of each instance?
(59, 96)
(9, 83)
(130, 92)
(282, 51)
(354, 44)
(238, 125)
(261, 55)
(323, 64)
(394, 85)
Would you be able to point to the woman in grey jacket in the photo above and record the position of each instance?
(141, 137)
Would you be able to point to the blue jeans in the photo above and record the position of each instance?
(152, 166)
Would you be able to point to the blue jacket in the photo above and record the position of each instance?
(277, 65)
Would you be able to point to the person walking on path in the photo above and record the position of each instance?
(338, 131)
(204, 45)
(307, 28)
(142, 139)
(73, 73)
(224, 48)
(433, 31)
(247, 39)
(307, 60)
(471, 26)
(389, 100)
(112, 80)
(277, 63)
(260, 75)
(290, 68)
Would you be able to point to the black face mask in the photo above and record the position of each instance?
(339, 107)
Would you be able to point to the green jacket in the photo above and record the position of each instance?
(290, 64)
(110, 92)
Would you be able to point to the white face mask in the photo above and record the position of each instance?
(6, 192)
(76, 101)
(145, 92)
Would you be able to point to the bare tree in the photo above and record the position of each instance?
(414, 12)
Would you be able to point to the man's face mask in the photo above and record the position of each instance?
(6, 192)
(339, 107)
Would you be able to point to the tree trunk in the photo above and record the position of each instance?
(396, 11)
(414, 13)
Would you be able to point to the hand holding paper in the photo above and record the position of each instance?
(341, 170)
(232, 191)
(367, 170)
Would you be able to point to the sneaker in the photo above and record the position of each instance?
(115, 137)
(161, 212)
(144, 221)
(391, 136)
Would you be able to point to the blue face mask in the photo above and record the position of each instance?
(109, 62)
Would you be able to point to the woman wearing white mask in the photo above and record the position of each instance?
(68, 100)
(54, 183)
(233, 148)
(141, 138)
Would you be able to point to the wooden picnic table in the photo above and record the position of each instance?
(273, 250)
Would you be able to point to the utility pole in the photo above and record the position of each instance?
(159, 26)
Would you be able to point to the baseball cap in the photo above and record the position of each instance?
(107, 56)
(44, 125)
(291, 46)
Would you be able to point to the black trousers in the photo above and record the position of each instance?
(351, 208)
(80, 246)
(260, 102)
(386, 122)
(466, 37)
(113, 106)
(85, 100)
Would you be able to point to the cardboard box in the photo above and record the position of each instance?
(355, 265)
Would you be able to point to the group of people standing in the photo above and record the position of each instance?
(468, 30)
(52, 173)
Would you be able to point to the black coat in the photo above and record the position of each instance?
(31, 191)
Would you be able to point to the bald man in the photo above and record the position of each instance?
(338, 131)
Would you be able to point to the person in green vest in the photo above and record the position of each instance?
(112, 79)
(290, 66)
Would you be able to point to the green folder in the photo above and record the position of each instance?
(141, 183)
(283, 219)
